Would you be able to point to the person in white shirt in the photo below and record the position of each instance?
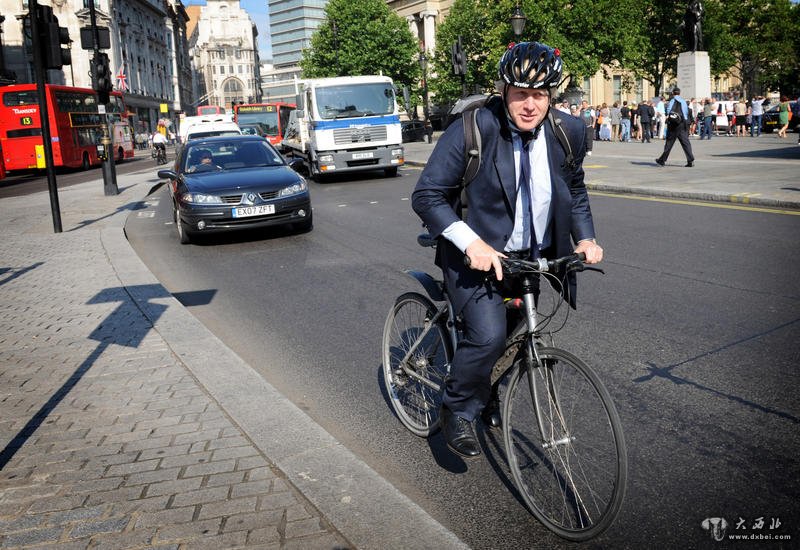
(756, 112)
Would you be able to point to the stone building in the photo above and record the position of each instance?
(224, 49)
(149, 56)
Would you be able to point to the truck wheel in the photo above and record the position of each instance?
(390, 172)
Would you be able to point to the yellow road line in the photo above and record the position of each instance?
(694, 202)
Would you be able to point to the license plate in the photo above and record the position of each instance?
(247, 211)
(362, 155)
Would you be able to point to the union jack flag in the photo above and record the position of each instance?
(122, 80)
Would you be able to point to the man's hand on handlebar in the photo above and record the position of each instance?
(483, 258)
(593, 251)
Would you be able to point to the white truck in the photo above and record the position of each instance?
(193, 127)
(344, 124)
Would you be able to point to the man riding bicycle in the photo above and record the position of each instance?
(160, 144)
(526, 201)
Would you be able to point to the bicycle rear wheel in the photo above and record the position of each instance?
(572, 471)
(415, 385)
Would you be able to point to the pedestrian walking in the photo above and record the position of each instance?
(756, 112)
(616, 120)
(784, 113)
(646, 114)
(677, 128)
(625, 122)
(740, 111)
(708, 117)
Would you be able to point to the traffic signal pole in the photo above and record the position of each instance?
(39, 69)
(100, 84)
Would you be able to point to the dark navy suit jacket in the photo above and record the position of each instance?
(492, 195)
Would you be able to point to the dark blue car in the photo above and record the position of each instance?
(235, 182)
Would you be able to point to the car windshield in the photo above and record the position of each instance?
(230, 155)
(358, 100)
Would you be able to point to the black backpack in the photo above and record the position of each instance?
(472, 142)
(675, 116)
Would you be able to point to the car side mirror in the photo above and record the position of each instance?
(167, 174)
(296, 164)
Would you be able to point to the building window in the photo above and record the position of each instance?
(617, 88)
(222, 69)
(240, 69)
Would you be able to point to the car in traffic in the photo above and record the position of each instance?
(235, 182)
(412, 130)
(769, 121)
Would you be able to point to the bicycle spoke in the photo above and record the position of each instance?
(564, 445)
(415, 362)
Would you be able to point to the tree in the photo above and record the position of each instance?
(362, 37)
(761, 40)
(590, 34)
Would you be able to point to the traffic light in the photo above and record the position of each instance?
(458, 58)
(51, 38)
(101, 77)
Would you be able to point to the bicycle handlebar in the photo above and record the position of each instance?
(513, 266)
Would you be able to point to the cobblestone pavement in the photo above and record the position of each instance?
(107, 440)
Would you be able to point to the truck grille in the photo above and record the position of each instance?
(365, 134)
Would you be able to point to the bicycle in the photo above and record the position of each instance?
(159, 153)
(561, 432)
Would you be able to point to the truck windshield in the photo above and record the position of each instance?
(355, 100)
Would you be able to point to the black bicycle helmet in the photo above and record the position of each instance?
(531, 65)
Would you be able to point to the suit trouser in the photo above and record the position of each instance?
(589, 137)
(681, 133)
(645, 131)
(469, 386)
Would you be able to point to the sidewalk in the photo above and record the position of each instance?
(124, 423)
(763, 171)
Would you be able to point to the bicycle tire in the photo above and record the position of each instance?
(576, 486)
(416, 404)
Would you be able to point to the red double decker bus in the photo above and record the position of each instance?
(76, 127)
(271, 118)
(210, 110)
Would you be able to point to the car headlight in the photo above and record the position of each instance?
(298, 187)
(200, 198)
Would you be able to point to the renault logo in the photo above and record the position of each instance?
(249, 198)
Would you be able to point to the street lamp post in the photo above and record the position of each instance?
(423, 64)
(518, 21)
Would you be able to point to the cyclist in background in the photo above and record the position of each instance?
(513, 211)
(160, 144)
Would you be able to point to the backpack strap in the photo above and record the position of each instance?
(472, 146)
(561, 136)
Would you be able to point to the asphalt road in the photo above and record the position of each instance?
(694, 330)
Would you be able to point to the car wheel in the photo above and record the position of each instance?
(390, 172)
(183, 234)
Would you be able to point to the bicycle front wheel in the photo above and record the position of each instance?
(416, 356)
(564, 444)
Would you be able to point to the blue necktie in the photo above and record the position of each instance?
(529, 234)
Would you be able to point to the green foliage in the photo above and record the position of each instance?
(589, 33)
(369, 39)
(761, 39)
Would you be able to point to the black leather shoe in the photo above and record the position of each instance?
(660, 162)
(491, 415)
(689, 164)
(459, 435)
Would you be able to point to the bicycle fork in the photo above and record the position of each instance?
(558, 433)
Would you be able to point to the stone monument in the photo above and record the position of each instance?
(694, 66)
